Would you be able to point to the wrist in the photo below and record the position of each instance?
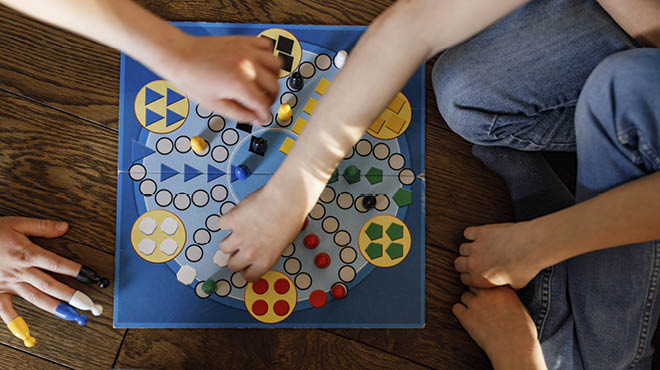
(542, 249)
(167, 51)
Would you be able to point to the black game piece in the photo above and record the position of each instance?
(296, 81)
(369, 202)
(258, 145)
(284, 45)
(287, 62)
(89, 276)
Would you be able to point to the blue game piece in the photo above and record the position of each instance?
(67, 312)
(242, 172)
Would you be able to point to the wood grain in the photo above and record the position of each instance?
(19, 360)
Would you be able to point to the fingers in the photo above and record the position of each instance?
(466, 279)
(235, 110)
(464, 249)
(48, 284)
(470, 233)
(253, 272)
(36, 297)
(238, 261)
(229, 245)
(461, 264)
(50, 261)
(474, 289)
(467, 298)
(267, 82)
(7, 311)
(271, 63)
(251, 95)
(459, 311)
(263, 43)
(39, 227)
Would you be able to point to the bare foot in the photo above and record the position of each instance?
(499, 323)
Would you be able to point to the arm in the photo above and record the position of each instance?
(514, 253)
(417, 30)
(639, 18)
(198, 65)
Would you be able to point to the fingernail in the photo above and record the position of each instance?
(61, 226)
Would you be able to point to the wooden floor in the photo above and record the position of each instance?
(59, 96)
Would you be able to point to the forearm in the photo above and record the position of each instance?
(120, 24)
(532, 360)
(639, 18)
(624, 215)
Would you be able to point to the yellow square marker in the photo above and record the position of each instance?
(397, 103)
(287, 145)
(299, 126)
(311, 105)
(395, 123)
(377, 125)
(322, 86)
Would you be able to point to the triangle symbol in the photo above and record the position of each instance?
(173, 117)
(213, 173)
(173, 96)
(190, 172)
(151, 96)
(166, 172)
(152, 117)
(140, 151)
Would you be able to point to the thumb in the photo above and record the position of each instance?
(39, 227)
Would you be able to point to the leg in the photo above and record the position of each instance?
(613, 292)
(517, 83)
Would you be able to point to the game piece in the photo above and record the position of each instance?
(242, 172)
(368, 202)
(304, 226)
(169, 226)
(352, 174)
(259, 145)
(311, 241)
(169, 246)
(81, 301)
(295, 82)
(66, 312)
(318, 298)
(198, 145)
(148, 225)
(284, 113)
(19, 328)
(322, 260)
(89, 276)
(147, 246)
(338, 291)
(208, 286)
(340, 58)
(221, 258)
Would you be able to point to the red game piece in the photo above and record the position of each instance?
(318, 298)
(260, 307)
(260, 287)
(281, 286)
(338, 291)
(311, 241)
(322, 260)
(305, 224)
(281, 307)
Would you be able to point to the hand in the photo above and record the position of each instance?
(499, 254)
(262, 225)
(488, 315)
(233, 75)
(21, 264)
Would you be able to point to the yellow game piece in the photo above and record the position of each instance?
(198, 145)
(287, 145)
(284, 113)
(299, 125)
(19, 328)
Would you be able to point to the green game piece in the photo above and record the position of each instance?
(374, 231)
(374, 250)
(208, 286)
(334, 177)
(403, 197)
(375, 175)
(395, 250)
(395, 231)
(352, 174)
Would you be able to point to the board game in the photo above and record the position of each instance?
(357, 263)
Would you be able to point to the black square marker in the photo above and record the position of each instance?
(287, 60)
(258, 145)
(244, 127)
(269, 39)
(284, 45)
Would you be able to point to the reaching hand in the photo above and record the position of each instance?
(21, 264)
(233, 75)
(499, 254)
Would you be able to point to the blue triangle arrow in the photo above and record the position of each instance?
(140, 151)
(173, 97)
(152, 117)
(172, 118)
(213, 173)
(190, 172)
(151, 96)
(166, 172)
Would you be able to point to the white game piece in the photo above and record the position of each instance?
(186, 274)
(168, 246)
(169, 226)
(148, 225)
(340, 58)
(81, 301)
(147, 246)
(221, 258)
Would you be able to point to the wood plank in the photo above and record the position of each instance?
(251, 349)
(56, 166)
(20, 360)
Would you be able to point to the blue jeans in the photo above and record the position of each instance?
(598, 310)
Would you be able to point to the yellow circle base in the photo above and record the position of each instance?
(158, 236)
(270, 297)
(384, 260)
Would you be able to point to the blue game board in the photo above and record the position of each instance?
(169, 272)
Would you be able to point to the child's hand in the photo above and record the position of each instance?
(233, 75)
(500, 254)
(500, 324)
(262, 225)
(21, 264)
